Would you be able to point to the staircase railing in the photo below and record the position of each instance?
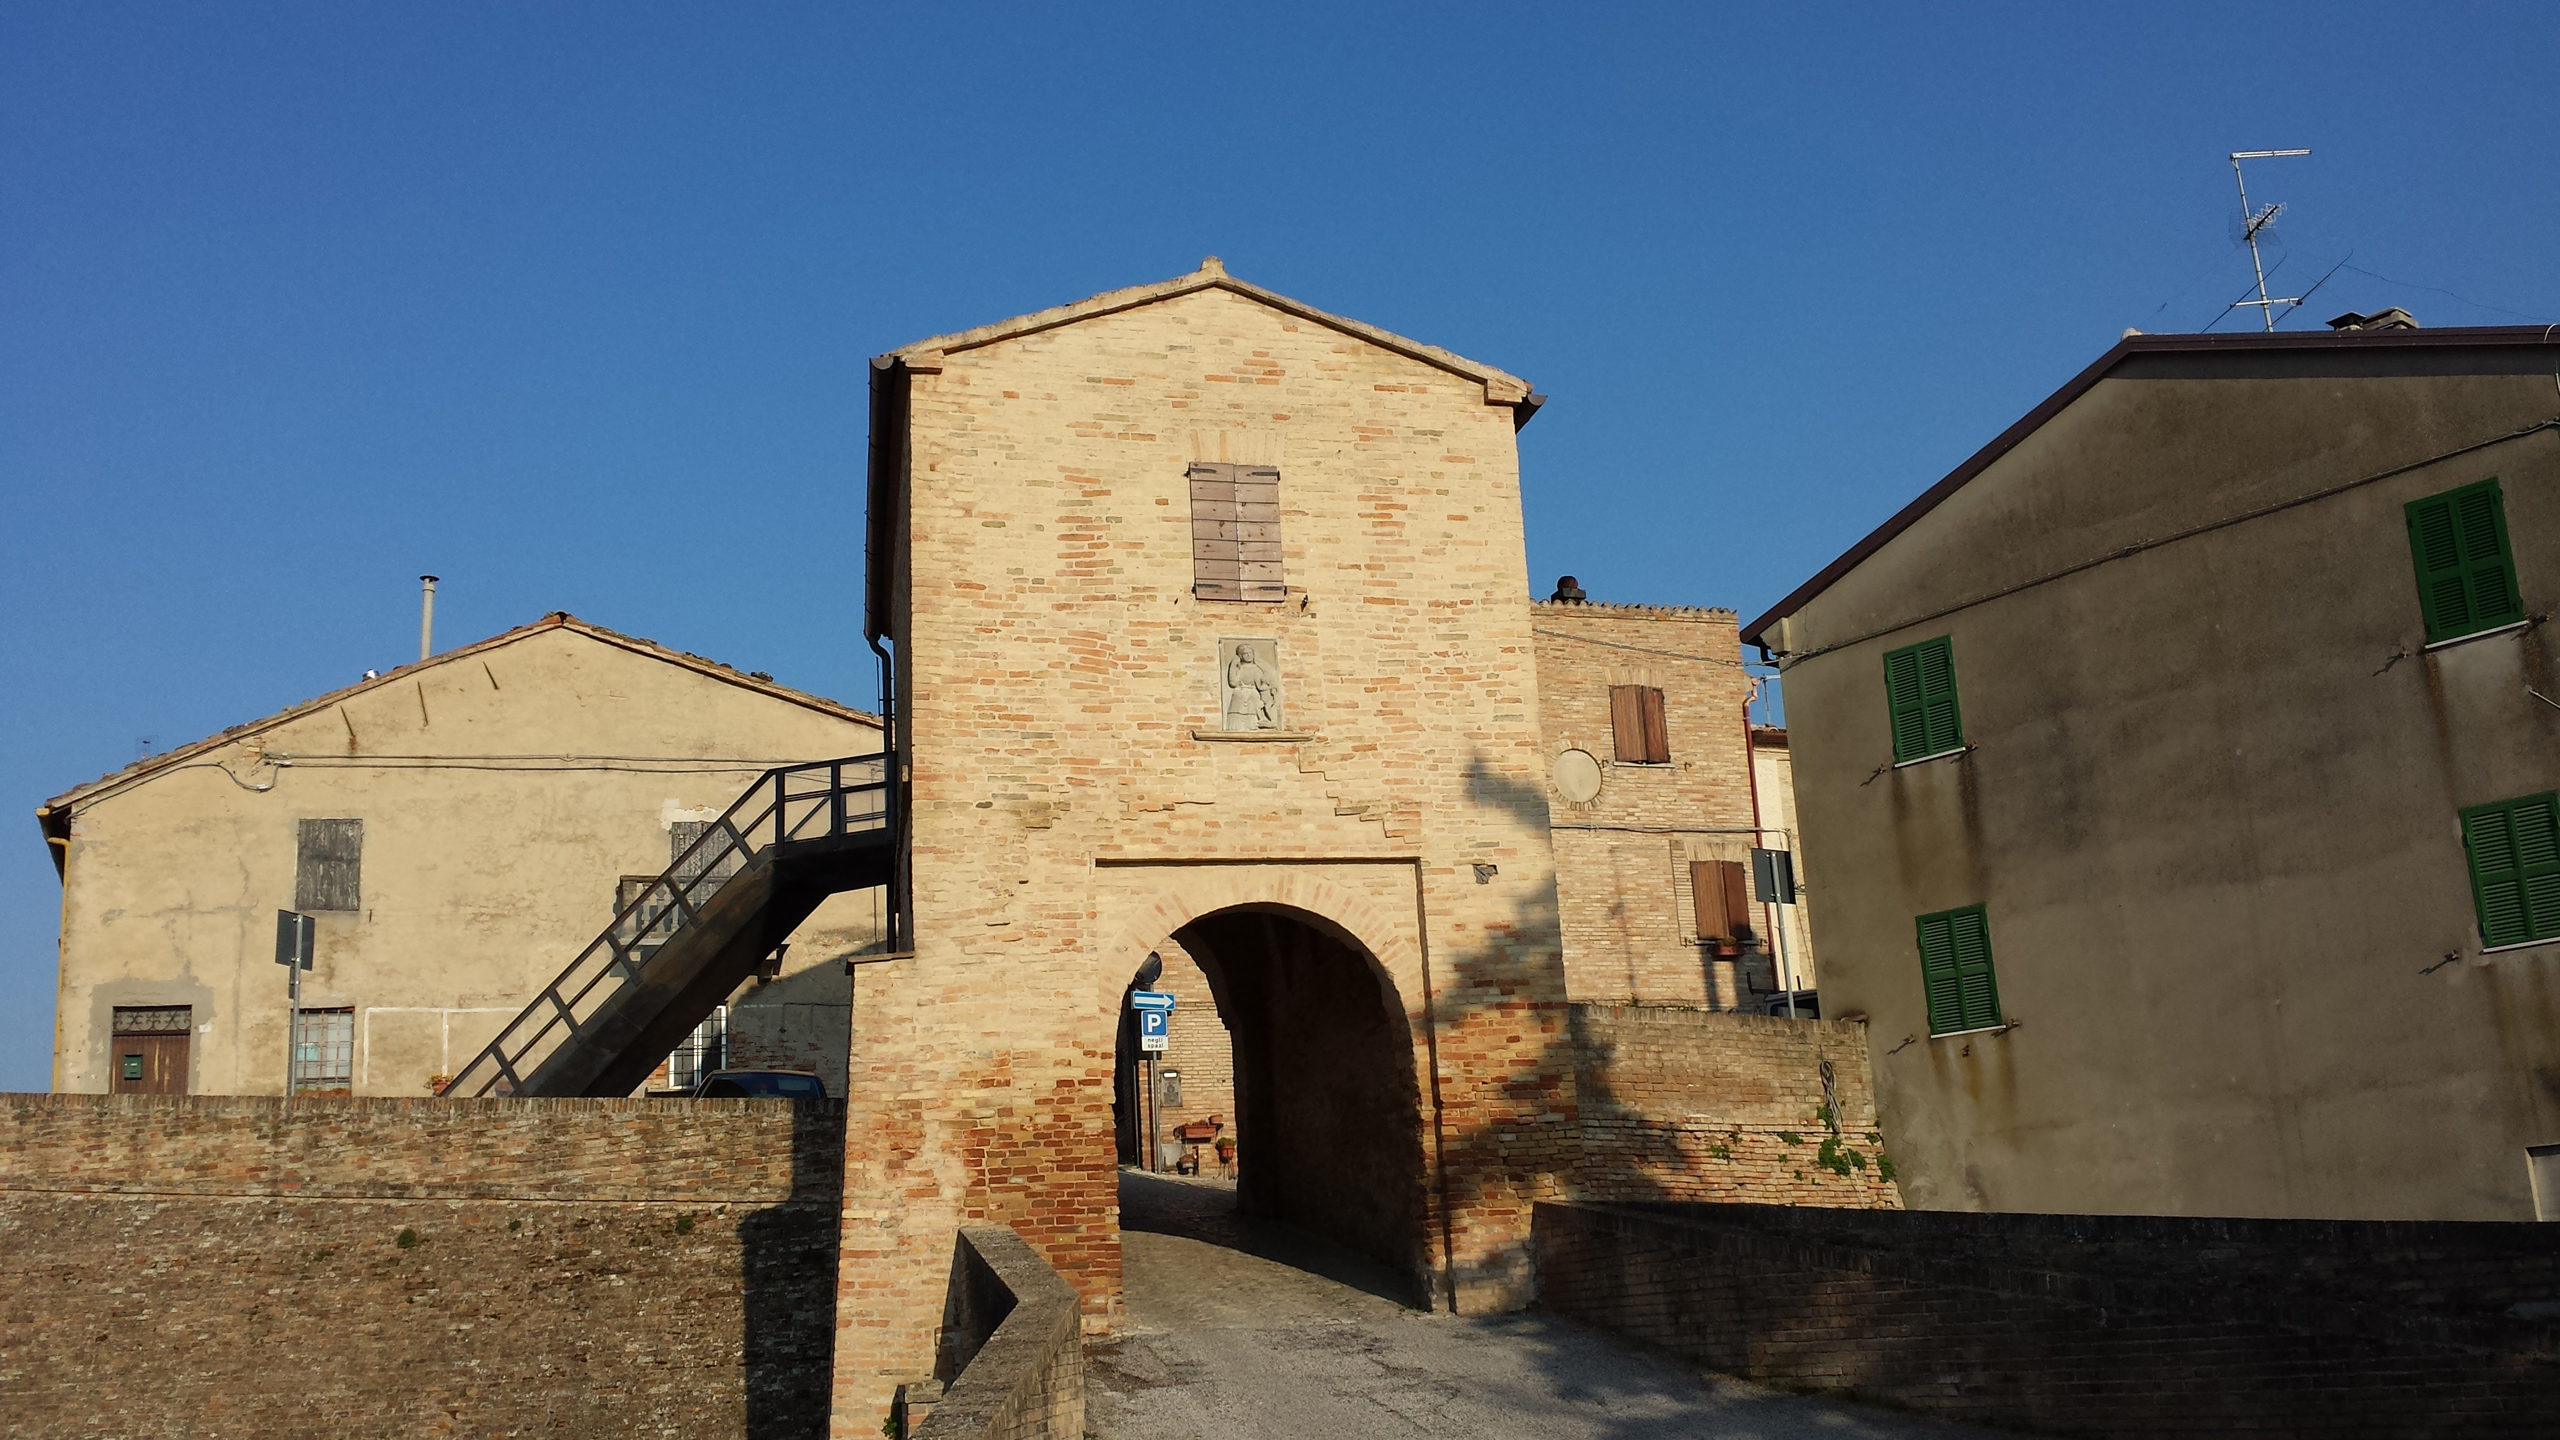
(786, 806)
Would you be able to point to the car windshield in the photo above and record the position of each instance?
(801, 1085)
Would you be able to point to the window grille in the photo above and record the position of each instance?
(154, 1019)
(704, 1051)
(324, 1051)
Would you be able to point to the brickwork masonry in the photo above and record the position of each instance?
(2096, 1325)
(1682, 1103)
(213, 1266)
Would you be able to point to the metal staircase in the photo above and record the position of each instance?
(690, 937)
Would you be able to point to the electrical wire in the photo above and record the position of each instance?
(1789, 660)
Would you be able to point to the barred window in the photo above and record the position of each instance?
(324, 1051)
(154, 1019)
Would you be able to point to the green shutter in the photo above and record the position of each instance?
(2514, 846)
(1955, 970)
(1920, 691)
(2466, 576)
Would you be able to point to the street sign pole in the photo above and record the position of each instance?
(1155, 1017)
(294, 935)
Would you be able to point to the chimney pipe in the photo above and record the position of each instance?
(426, 616)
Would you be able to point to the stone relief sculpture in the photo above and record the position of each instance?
(1249, 673)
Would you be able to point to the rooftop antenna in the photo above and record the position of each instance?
(2253, 222)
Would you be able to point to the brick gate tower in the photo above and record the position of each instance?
(1211, 623)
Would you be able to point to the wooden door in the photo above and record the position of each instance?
(149, 1064)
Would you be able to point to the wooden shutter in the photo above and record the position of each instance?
(2466, 575)
(1920, 694)
(1637, 730)
(1955, 970)
(1721, 898)
(1657, 734)
(328, 866)
(2514, 847)
(1737, 897)
(1706, 896)
(1235, 533)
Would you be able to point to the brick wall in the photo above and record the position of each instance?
(1681, 1103)
(1622, 858)
(1076, 798)
(207, 1266)
(2089, 1325)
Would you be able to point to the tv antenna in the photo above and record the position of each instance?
(2253, 223)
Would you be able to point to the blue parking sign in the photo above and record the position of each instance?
(1155, 1029)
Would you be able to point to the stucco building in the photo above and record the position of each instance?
(457, 829)
(2186, 761)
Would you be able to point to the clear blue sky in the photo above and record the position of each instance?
(570, 303)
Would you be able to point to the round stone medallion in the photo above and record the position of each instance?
(1577, 777)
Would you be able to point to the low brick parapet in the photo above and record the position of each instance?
(2088, 1325)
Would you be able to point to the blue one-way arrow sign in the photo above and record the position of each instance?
(1150, 1000)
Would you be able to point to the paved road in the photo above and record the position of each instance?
(1239, 1330)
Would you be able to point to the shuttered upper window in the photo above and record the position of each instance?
(2466, 576)
(1723, 906)
(1920, 690)
(1235, 532)
(2514, 847)
(1637, 726)
(328, 866)
(1955, 967)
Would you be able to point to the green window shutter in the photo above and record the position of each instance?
(1920, 691)
(2514, 847)
(1955, 970)
(2466, 574)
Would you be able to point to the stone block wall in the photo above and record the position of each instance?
(208, 1266)
(2119, 1326)
(1681, 1103)
(1622, 856)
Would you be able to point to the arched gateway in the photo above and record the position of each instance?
(1211, 627)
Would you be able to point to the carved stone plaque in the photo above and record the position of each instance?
(1249, 685)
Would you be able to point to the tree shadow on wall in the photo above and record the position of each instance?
(787, 1261)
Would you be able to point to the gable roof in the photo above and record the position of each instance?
(2099, 369)
(889, 382)
(1501, 386)
(54, 813)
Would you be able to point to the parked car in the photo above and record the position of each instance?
(740, 1084)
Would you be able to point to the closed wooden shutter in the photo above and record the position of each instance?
(1721, 899)
(1637, 729)
(329, 865)
(1706, 896)
(1920, 694)
(1235, 533)
(1955, 970)
(2514, 847)
(2466, 577)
